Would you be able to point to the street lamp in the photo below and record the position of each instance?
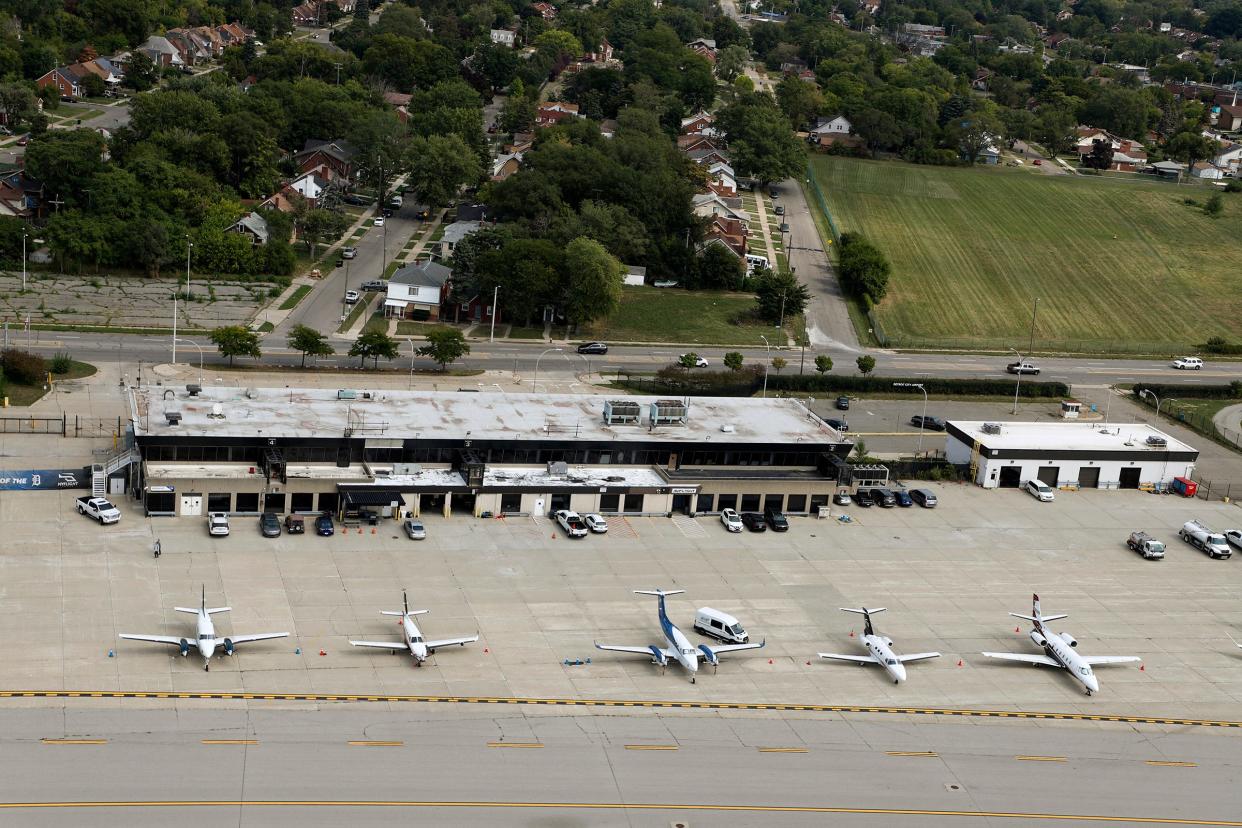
(922, 428)
(766, 363)
(200, 355)
(495, 300)
(535, 385)
(188, 246)
(1019, 383)
(412, 355)
(1146, 393)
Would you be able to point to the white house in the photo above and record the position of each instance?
(504, 37)
(454, 233)
(311, 186)
(417, 289)
(1228, 158)
(707, 205)
(1207, 171)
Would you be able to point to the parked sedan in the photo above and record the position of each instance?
(323, 525)
(929, 423)
(595, 523)
(378, 221)
(884, 498)
(593, 348)
(414, 529)
(776, 519)
(923, 497)
(349, 253)
(754, 522)
(839, 425)
(269, 525)
(842, 498)
(843, 403)
(731, 520)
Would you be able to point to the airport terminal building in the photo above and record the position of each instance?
(283, 450)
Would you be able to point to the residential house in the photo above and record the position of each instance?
(471, 211)
(1228, 158)
(1229, 118)
(988, 155)
(161, 51)
(707, 205)
(793, 66)
(506, 165)
(306, 14)
(635, 276)
(704, 47)
(522, 141)
(1128, 155)
(417, 291)
(335, 158)
(707, 156)
(546, 10)
(697, 141)
(401, 102)
(454, 233)
(979, 82)
(21, 196)
(829, 131)
(233, 34)
(1053, 41)
(553, 112)
(871, 7)
(600, 54)
(1167, 169)
(722, 176)
(68, 79)
(1207, 171)
(194, 46)
(311, 186)
(700, 123)
(729, 233)
(253, 225)
(921, 39)
(504, 37)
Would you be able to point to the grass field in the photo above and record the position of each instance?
(1117, 266)
(649, 314)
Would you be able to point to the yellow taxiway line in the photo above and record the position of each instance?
(1159, 764)
(370, 743)
(651, 747)
(1041, 758)
(784, 750)
(925, 753)
(785, 707)
(230, 741)
(618, 806)
(74, 741)
(528, 745)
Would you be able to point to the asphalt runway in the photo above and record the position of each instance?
(485, 766)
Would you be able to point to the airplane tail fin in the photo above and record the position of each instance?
(660, 592)
(1036, 617)
(866, 614)
(406, 612)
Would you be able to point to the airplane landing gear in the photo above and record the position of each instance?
(896, 681)
(692, 678)
(207, 666)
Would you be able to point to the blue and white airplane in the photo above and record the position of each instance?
(679, 647)
(206, 641)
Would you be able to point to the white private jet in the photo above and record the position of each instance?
(413, 642)
(880, 647)
(1060, 650)
(678, 645)
(206, 641)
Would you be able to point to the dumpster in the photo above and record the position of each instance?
(1185, 487)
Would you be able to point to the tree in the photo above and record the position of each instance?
(973, 133)
(823, 363)
(93, 86)
(779, 364)
(719, 268)
(1054, 128)
(140, 72)
(862, 267)
(373, 345)
(236, 340)
(309, 341)
(1121, 111)
(440, 165)
(760, 139)
(688, 361)
(64, 161)
(1214, 205)
(1101, 156)
(780, 295)
(799, 100)
(731, 62)
(1190, 147)
(594, 278)
(444, 346)
(733, 360)
(866, 364)
(517, 114)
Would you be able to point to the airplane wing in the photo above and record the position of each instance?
(1095, 661)
(156, 639)
(242, 639)
(916, 657)
(381, 645)
(1026, 658)
(448, 642)
(857, 659)
(731, 648)
(646, 651)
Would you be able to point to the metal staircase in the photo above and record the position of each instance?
(100, 472)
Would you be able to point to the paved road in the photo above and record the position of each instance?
(472, 756)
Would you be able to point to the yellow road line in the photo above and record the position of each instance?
(651, 747)
(368, 743)
(230, 741)
(515, 744)
(74, 741)
(621, 806)
(1041, 758)
(1159, 764)
(650, 704)
(912, 753)
(784, 750)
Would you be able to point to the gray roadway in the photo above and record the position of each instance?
(446, 754)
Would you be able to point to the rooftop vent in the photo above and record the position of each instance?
(1157, 440)
(991, 428)
(173, 417)
(193, 389)
(252, 393)
(621, 412)
(346, 395)
(558, 467)
(668, 412)
(217, 411)
(728, 428)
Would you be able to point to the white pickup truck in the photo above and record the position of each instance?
(98, 508)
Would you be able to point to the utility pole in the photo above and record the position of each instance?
(495, 309)
(1030, 350)
(188, 245)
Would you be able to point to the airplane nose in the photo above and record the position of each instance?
(1093, 684)
(899, 672)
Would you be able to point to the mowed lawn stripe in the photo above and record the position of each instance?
(971, 249)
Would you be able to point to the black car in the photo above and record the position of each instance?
(754, 522)
(593, 348)
(863, 498)
(903, 498)
(269, 525)
(323, 525)
(776, 519)
(924, 498)
(356, 200)
(884, 497)
(839, 425)
(843, 403)
(929, 423)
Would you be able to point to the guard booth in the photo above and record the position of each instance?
(1070, 409)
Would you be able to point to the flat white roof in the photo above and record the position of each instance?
(1069, 436)
(395, 415)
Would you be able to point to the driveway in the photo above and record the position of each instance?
(827, 319)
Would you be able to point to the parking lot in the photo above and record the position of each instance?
(948, 577)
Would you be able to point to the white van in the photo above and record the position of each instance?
(753, 262)
(716, 624)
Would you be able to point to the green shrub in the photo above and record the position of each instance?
(61, 363)
(23, 367)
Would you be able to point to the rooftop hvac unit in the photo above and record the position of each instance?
(346, 395)
(173, 417)
(668, 412)
(252, 393)
(558, 467)
(406, 468)
(621, 412)
(193, 389)
(728, 428)
(991, 428)
(1157, 441)
(217, 411)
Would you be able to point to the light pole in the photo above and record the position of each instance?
(1019, 383)
(1030, 349)
(535, 385)
(919, 386)
(412, 354)
(766, 363)
(188, 246)
(200, 356)
(174, 333)
(1147, 393)
(495, 300)
(1165, 470)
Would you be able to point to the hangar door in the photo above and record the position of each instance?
(1089, 478)
(1010, 477)
(1050, 475)
(1130, 477)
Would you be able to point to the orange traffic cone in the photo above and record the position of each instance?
(959, 662)
(1017, 629)
(323, 652)
(851, 633)
(1142, 668)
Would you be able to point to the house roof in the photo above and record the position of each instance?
(339, 149)
(1171, 166)
(499, 163)
(422, 274)
(458, 230)
(467, 211)
(255, 224)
